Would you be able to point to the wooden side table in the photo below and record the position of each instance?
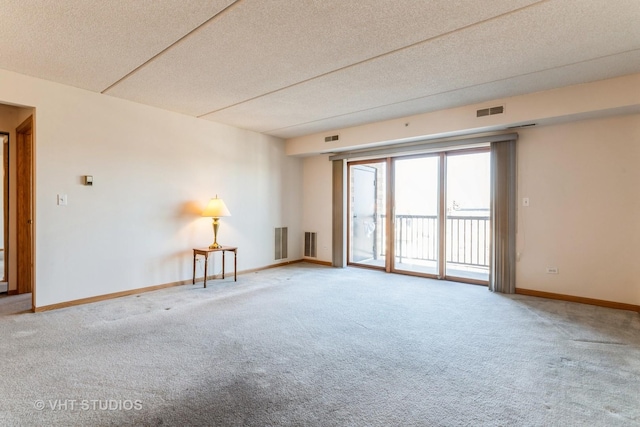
(205, 253)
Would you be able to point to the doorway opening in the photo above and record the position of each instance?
(17, 241)
(426, 215)
(4, 240)
(367, 207)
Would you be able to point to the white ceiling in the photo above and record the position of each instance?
(294, 67)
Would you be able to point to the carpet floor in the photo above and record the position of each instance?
(306, 345)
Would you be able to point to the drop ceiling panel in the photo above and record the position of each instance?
(599, 69)
(261, 46)
(525, 42)
(289, 68)
(92, 44)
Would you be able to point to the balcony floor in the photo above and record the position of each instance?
(429, 267)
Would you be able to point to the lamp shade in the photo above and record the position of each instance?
(216, 208)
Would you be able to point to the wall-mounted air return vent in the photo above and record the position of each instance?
(331, 138)
(310, 244)
(528, 125)
(490, 111)
(281, 243)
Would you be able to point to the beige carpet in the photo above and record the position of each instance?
(306, 345)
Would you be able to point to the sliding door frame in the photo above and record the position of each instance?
(426, 146)
(390, 202)
(391, 231)
(388, 245)
(443, 220)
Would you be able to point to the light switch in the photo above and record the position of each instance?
(62, 200)
(525, 201)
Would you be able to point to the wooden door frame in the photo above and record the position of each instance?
(5, 210)
(25, 147)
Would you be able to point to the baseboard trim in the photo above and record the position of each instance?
(317, 261)
(267, 267)
(12, 292)
(582, 300)
(105, 297)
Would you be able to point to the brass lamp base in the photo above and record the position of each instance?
(215, 244)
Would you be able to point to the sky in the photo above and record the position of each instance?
(468, 179)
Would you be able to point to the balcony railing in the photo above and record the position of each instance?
(467, 243)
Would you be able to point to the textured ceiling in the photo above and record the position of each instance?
(289, 68)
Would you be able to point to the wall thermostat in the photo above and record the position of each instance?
(88, 180)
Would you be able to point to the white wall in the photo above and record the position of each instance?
(578, 166)
(583, 181)
(616, 96)
(153, 171)
(317, 203)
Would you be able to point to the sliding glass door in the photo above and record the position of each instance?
(367, 207)
(439, 217)
(468, 216)
(416, 222)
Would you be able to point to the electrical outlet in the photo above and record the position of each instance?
(552, 270)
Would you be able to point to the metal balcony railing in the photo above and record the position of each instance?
(468, 238)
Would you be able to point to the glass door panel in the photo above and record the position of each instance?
(367, 207)
(468, 226)
(416, 239)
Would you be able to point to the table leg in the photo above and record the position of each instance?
(223, 265)
(194, 267)
(235, 265)
(206, 261)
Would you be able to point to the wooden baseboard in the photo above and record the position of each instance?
(280, 264)
(582, 300)
(12, 292)
(109, 296)
(317, 261)
(147, 289)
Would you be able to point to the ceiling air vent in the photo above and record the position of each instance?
(490, 111)
(331, 138)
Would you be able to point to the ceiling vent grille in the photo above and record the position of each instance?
(331, 138)
(490, 111)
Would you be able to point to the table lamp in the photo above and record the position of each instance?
(216, 209)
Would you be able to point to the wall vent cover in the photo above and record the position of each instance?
(310, 244)
(331, 138)
(490, 111)
(528, 125)
(280, 251)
